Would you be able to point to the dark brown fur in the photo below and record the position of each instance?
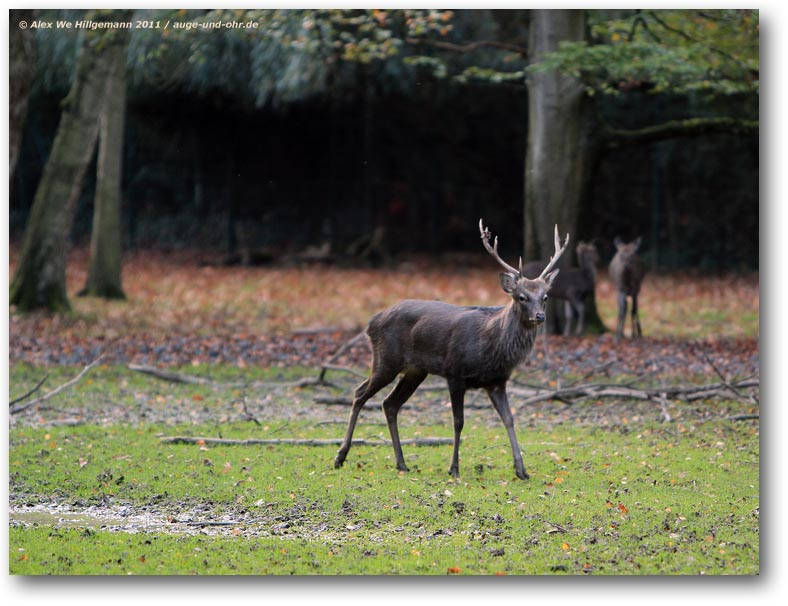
(472, 347)
(626, 272)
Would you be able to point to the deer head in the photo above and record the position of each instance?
(528, 296)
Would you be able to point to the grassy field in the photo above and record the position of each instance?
(618, 487)
(635, 496)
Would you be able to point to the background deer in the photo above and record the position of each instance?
(626, 271)
(572, 285)
(472, 347)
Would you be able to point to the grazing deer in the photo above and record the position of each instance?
(626, 271)
(572, 285)
(472, 347)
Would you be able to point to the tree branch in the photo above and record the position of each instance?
(298, 441)
(175, 377)
(470, 46)
(29, 393)
(675, 129)
(569, 395)
(17, 409)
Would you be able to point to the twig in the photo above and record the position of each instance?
(722, 377)
(329, 364)
(298, 441)
(29, 393)
(743, 417)
(175, 377)
(15, 410)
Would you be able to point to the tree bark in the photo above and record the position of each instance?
(557, 158)
(560, 148)
(40, 278)
(21, 67)
(104, 272)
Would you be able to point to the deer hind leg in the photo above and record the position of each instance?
(581, 316)
(497, 394)
(364, 392)
(622, 314)
(569, 312)
(636, 330)
(394, 401)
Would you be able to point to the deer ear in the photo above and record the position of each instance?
(618, 242)
(550, 277)
(637, 241)
(508, 282)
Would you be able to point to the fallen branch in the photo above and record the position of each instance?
(298, 441)
(329, 364)
(591, 390)
(569, 395)
(29, 393)
(14, 409)
(175, 377)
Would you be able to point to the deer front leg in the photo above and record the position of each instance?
(500, 401)
(393, 402)
(636, 330)
(457, 394)
(622, 314)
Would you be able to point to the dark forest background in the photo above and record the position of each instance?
(386, 147)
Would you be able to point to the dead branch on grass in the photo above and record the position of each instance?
(29, 393)
(573, 394)
(16, 407)
(687, 393)
(175, 377)
(297, 441)
(329, 364)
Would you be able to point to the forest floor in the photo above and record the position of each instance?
(252, 334)
(181, 312)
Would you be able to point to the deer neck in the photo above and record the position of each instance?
(508, 338)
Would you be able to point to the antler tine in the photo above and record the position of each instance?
(493, 250)
(559, 250)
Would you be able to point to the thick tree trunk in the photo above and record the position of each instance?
(21, 67)
(557, 159)
(560, 143)
(104, 273)
(40, 278)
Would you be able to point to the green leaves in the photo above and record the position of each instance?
(679, 51)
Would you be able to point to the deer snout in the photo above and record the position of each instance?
(538, 317)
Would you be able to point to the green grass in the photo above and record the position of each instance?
(631, 498)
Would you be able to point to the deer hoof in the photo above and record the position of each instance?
(522, 474)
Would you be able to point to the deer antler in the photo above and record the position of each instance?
(493, 250)
(559, 250)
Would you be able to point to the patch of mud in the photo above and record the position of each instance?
(143, 519)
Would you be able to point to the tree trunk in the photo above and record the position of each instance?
(40, 278)
(104, 273)
(560, 146)
(22, 67)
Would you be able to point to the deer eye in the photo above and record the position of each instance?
(522, 298)
(544, 298)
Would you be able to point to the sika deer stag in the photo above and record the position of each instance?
(472, 347)
(626, 271)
